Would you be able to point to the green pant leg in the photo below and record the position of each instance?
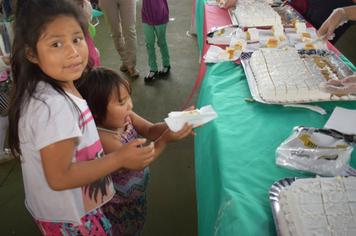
(162, 43)
(150, 40)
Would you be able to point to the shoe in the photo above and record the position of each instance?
(133, 72)
(165, 70)
(150, 76)
(124, 68)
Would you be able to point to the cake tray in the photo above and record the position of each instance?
(334, 60)
(278, 216)
(287, 13)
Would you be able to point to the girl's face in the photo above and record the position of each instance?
(62, 50)
(118, 111)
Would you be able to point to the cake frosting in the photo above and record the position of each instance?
(319, 206)
(256, 14)
(283, 76)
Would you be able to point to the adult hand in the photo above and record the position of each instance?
(337, 18)
(230, 3)
(345, 86)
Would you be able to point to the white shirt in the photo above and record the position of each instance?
(42, 124)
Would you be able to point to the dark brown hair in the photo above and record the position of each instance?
(100, 84)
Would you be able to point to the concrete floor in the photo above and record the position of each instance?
(171, 194)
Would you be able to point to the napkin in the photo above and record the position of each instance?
(211, 55)
(176, 119)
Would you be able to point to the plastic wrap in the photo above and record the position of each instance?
(319, 151)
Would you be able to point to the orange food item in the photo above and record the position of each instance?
(231, 52)
(248, 36)
(281, 38)
(309, 46)
(238, 45)
(272, 43)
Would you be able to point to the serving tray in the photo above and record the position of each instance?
(278, 216)
(334, 60)
(287, 13)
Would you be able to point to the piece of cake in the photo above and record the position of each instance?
(231, 52)
(281, 75)
(272, 43)
(309, 46)
(252, 34)
(220, 32)
(306, 37)
(222, 3)
(256, 14)
(319, 206)
(281, 38)
(240, 44)
(277, 29)
(223, 56)
(192, 112)
(300, 27)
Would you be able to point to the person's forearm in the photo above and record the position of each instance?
(350, 12)
(157, 130)
(83, 173)
(160, 145)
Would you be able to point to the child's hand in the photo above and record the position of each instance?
(133, 157)
(170, 136)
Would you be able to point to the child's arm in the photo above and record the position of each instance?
(61, 173)
(170, 136)
(149, 130)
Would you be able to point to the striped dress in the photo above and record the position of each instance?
(127, 210)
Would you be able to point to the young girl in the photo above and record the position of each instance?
(66, 176)
(108, 95)
(155, 17)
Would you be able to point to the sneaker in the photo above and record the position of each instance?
(165, 70)
(150, 76)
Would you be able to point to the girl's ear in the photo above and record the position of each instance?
(30, 55)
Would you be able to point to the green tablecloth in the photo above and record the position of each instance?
(235, 153)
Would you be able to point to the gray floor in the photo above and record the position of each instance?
(172, 202)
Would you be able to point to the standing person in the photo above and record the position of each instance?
(4, 67)
(155, 17)
(66, 175)
(93, 53)
(121, 17)
(108, 95)
(8, 7)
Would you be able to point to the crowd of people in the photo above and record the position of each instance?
(71, 121)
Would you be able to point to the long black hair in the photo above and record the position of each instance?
(31, 19)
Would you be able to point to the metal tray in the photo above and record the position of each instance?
(278, 216)
(287, 13)
(335, 61)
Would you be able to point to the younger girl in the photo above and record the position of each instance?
(108, 95)
(66, 177)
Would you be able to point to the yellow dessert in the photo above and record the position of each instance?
(309, 46)
(272, 43)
